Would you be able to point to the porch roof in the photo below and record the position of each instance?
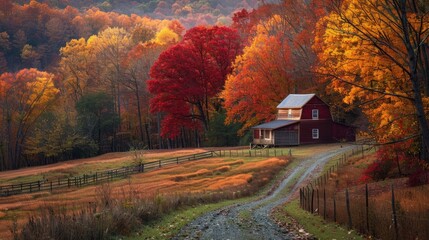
(275, 124)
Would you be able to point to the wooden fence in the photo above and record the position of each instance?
(97, 177)
(268, 152)
(123, 172)
(359, 208)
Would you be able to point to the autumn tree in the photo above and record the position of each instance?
(375, 53)
(260, 79)
(277, 61)
(55, 138)
(24, 97)
(188, 76)
(110, 47)
(137, 65)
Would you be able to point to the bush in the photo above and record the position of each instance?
(378, 170)
(419, 177)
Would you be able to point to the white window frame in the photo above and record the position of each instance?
(269, 135)
(315, 133)
(315, 114)
(289, 113)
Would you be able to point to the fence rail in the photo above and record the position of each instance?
(123, 172)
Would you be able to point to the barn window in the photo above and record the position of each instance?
(315, 114)
(315, 133)
(289, 113)
(267, 134)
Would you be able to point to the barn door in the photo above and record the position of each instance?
(286, 137)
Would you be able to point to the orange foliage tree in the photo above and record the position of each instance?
(276, 62)
(24, 97)
(375, 54)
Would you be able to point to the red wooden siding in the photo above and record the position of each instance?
(341, 132)
(325, 131)
(256, 133)
(316, 103)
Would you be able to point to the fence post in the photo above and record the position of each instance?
(300, 197)
(318, 207)
(348, 209)
(177, 160)
(324, 203)
(335, 210)
(159, 163)
(395, 222)
(51, 185)
(38, 182)
(367, 207)
(312, 198)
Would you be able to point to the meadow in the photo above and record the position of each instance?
(130, 202)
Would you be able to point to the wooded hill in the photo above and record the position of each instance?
(189, 13)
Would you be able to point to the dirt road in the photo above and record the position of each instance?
(251, 220)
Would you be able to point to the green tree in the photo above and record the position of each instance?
(97, 118)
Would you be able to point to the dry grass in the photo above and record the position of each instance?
(211, 179)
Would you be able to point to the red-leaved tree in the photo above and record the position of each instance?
(187, 78)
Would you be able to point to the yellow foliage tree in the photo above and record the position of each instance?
(375, 54)
(24, 97)
(166, 36)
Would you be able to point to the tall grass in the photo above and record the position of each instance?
(108, 216)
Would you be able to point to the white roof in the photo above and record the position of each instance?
(295, 100)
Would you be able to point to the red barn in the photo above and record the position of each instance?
(302, 119)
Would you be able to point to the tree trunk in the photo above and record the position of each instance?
(149, 142)
(139, 113)
(412, 65)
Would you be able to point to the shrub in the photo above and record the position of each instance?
(419, 177)
(378, 170)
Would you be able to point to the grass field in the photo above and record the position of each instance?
(215, 178)
(239, 176)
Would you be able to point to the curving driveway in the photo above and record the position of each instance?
(252, 220)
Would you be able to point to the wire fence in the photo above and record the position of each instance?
(393, 214)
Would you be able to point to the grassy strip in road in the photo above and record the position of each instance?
(169, 225)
